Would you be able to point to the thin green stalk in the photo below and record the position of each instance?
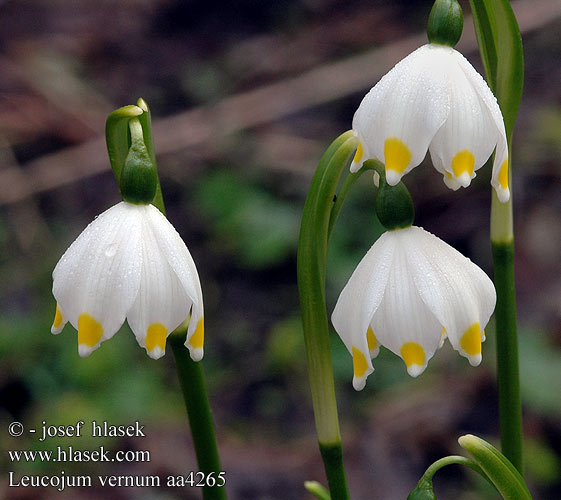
(348, 183)
(312, 255)
(424, 489)
(450, 460)
(510, 406)
(192, 381)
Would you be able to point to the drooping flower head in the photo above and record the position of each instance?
(409, 293)
(433, 100)
(130, 263)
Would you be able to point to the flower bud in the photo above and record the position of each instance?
(446, 22)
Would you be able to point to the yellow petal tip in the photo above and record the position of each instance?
(361, 370)
(58, 322)
(90, 331)
(196, 341)
(155, 341)
(397, 157)
(414, 356)
(462, 167)
(470, 341)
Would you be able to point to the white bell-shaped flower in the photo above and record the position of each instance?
(411, 291)
(433, 100)
(130, 263)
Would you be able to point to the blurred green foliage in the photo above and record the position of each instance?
(248, 221)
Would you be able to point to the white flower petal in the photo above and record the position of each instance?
(357, 304)
(467, 138)
(398, 118)
(97, 279)
(402, 322)
(179, 259)
(499, 179)
(459, 294)
(162, 303)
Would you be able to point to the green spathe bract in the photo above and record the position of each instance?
(138, 177)
(119, 141)
(446, 22)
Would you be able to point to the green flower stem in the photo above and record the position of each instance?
(450, 460)
(312, 255)
(424, 488)
(190, 373)
(510, 406)
(348, 183)
(192, 381)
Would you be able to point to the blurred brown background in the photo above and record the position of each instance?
(245, 97)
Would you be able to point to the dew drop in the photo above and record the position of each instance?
(111, 250)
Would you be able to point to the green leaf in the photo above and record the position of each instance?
(510, 64)
(500, 45)
(496, 466)
(485, 31)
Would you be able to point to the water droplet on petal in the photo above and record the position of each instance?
(111, 250)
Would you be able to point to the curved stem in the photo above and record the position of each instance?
(348, 183)
(452, 459)
(312, 255)
(424, 488)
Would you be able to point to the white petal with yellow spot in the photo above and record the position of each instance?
(128, 263)
(433, 100)
(410, 292)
